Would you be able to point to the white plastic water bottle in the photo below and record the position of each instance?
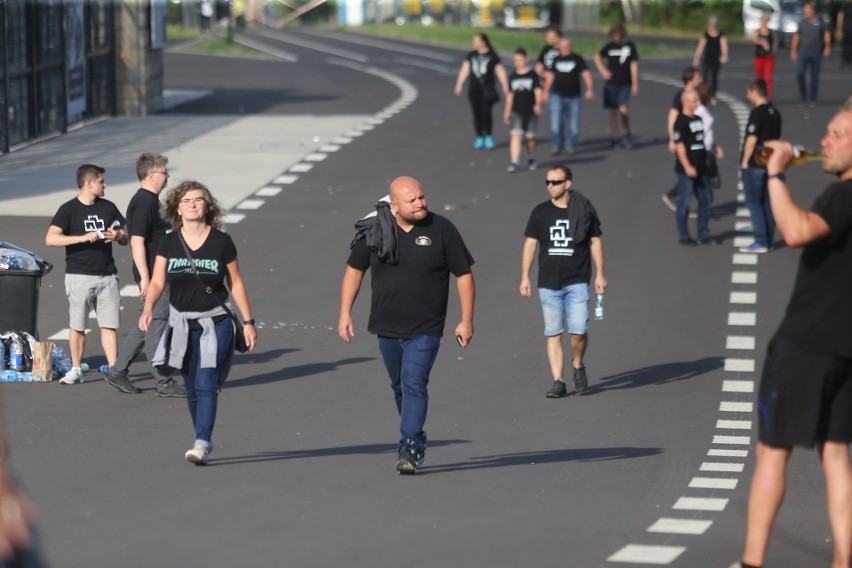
(16, 354)
(599, 299)
(2, 355)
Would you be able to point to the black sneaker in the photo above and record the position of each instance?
(581, 381)
(172, 390)
(409, 460)
(557, 390)
(688, 242)
(709, 241)
(121, 382)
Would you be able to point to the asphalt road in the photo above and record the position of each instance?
(303, 469)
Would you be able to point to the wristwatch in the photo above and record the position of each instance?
(779, 175)
(249, 322)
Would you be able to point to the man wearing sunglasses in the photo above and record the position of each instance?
(567, 233)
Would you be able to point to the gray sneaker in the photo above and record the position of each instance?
(172, 390)
(581, 381)
(557, 390)
(121, 382)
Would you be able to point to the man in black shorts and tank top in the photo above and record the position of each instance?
(805, 393)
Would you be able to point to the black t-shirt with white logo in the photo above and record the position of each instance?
(523, 88)
(143, 220)
(186, 293)
(819, 315)
(547, 55)
(75, 218)
(564, 236)
(617, 59)
(566, 75)
(689, 131)
(410, 298)
(482, 67)
(764, 122)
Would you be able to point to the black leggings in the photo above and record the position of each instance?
(482, 122)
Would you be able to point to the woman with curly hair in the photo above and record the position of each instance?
(199, 338)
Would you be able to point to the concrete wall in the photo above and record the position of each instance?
(139, 69)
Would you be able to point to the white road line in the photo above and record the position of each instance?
(729, 406)
(733, 424)
(233, 218)
(700, 504)
(316, 46)
(647, 554)
(743, 212)
(354, 133)
(742, 318)
(737, 386)
(443, 69)
(680, 526)
(743, 241)
(286, 179)
(743, 297)
(743, 226)
(317, 157)
(722, 467)
(301, 168)
(366, 127)
(739, 277)
(740, 197)
(253, 204)
(716, 453)
(395, 47)
(279, 53)
(268, 192)
(745, 258)
(732, 440)
(739, 365)
(739, 342)
(712, 483)
(329, 148)
(342, 140)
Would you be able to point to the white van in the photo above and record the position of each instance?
(785, 16)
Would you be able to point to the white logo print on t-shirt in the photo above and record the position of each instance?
(560, 239)
(93, 223)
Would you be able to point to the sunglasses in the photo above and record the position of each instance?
(554, 181)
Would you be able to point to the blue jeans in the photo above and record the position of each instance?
(202, 385)
(814, 60)
(409, 362)
(686, 188)
(559, 108)
(572, 302)
(757, 201)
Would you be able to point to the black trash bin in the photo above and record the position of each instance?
(19, 306)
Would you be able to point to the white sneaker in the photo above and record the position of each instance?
(72, 377)
(198, 454)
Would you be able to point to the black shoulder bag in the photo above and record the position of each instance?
(239, 332)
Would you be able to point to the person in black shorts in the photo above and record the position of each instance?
(199, 337)
(483, 65)
(146, 228)
(409, 304)
(523, 107)
(621, 81)
(805, 393)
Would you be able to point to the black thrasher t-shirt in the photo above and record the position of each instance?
(75, 218)
(186, 293)
(143, 220)
(410, 298)
(689, 131)
(819, 315)
(523, 90)
(765, 123)
(563, 236)
(547, 55)
(617, 59)
(567, 70)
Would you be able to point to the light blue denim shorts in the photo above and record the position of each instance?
(571, 301)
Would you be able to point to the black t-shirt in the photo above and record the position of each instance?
(765, 123)
(410, 298)
(759, 50)
(482, 67)
(564, 236)
(143, 220)
(566, 75)
(523, 88)
(76, 218)
(547, 55)
(847, 19)
(676, 102)
(689, 131)
(186, 293)
(819, 315)
(713, 50)
(617, 59)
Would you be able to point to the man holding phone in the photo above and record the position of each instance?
(567, 231)
(409, 305)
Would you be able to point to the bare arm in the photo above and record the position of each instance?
(596, 248)
(826, 42)
(748, 150)
(238, 293)
(155, 290)
(670, 122)
(634, 77)
(798, 226)
(794, 47)
(507, 112)
(348, 292)
(539, 99)
(680, 152)
(601, 67)
(527, 258)
(137, 250)
(467, 295)
(699, 49)
(587, 79)
(724, 43)
(500, 71)
(464, 71)
(57, 238)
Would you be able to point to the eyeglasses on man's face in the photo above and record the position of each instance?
(165, 173)
(554, 181)
(192, 201)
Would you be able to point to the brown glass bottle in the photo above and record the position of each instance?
(800, 155)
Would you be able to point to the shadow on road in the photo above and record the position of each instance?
(295, 372)
(549, 456)
(370, 449)
(657, 375)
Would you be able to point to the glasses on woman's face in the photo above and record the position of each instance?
(191, 201)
